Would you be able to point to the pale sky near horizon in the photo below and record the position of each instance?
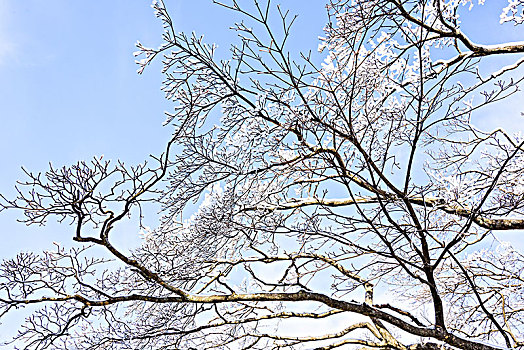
(69, 88)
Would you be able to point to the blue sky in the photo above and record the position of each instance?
(69, 88)
(69, 85)
(70, 91)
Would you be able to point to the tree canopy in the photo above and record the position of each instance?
(349, 203)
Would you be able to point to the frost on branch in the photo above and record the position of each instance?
(344, 199)
(514, 12)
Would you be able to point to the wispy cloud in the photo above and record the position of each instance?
(7, 46)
